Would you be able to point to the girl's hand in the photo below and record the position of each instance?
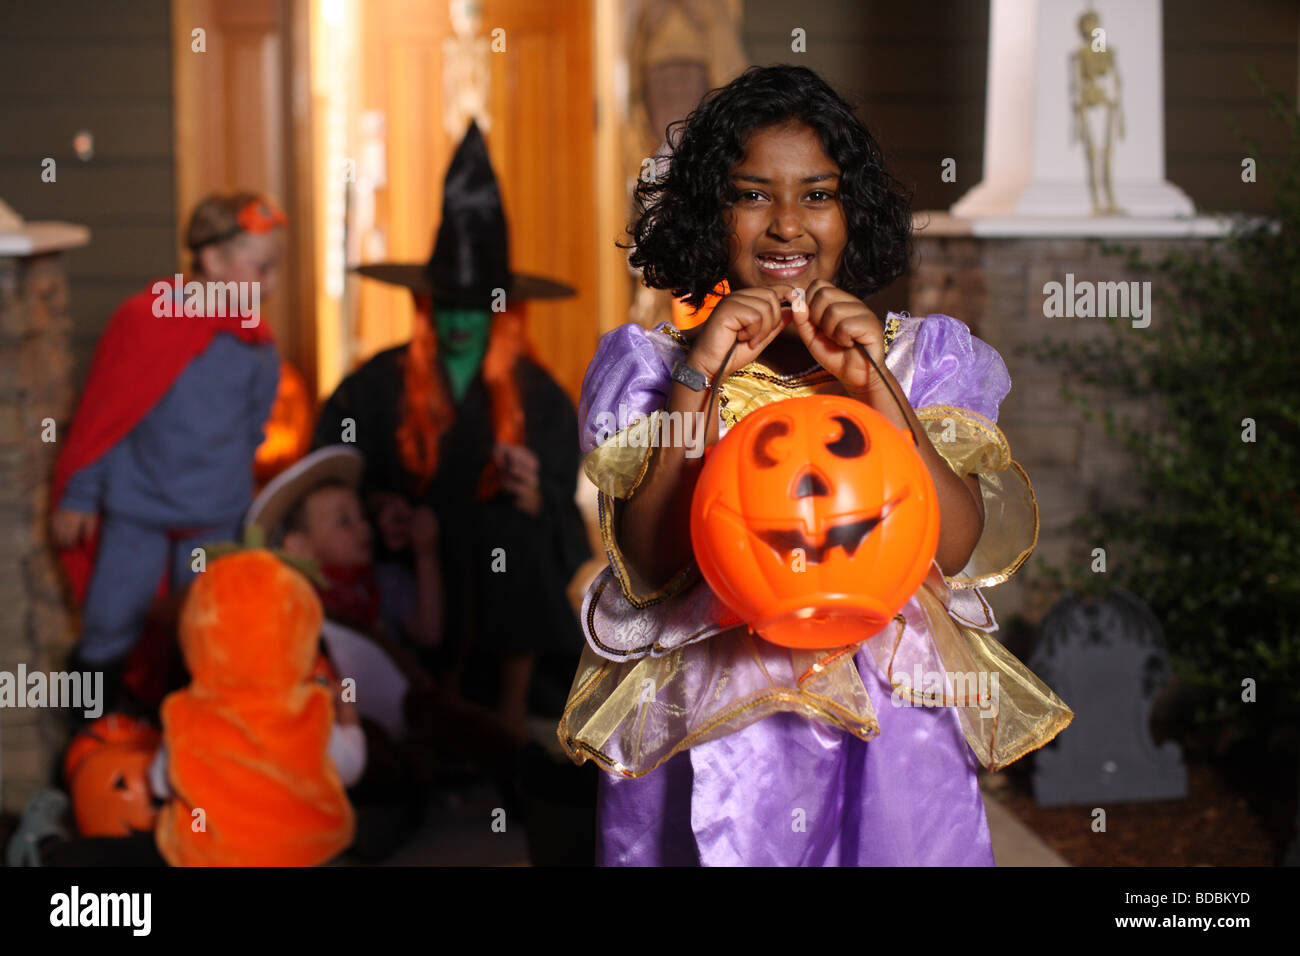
(830, 325)
(393, 516)
(70, 528)
(751, 317)
(520, 476)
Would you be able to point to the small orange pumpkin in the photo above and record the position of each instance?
(288, 430)
(815, 520)
(107, 768)
(117, 729)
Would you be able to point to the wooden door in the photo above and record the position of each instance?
(241, 122)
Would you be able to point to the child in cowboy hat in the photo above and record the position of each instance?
(313, 511)
(376, 615)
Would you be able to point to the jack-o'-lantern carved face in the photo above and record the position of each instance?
(815, 520)
(107, 767)
(288, 430)
(109, 729)
(110, 792)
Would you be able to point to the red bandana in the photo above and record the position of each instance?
(352, 596)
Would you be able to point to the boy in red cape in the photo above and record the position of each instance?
(159, 456)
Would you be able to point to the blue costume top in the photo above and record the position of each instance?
(186, 464)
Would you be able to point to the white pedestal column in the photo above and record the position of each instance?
(1031, 167)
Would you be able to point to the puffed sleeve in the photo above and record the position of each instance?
(623, 396)
(623, 393)
(953, 367)
(956, 382)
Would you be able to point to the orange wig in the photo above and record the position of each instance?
(427, 410)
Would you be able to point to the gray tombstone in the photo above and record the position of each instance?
(43, 817)
(1106, 658)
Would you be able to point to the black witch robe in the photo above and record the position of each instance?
(504, 571)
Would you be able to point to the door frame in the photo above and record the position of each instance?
(198, 91)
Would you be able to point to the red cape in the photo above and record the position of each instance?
(136, 361)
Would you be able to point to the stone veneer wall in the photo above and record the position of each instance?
(36, 627)
(995, 286)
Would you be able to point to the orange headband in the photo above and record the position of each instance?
(261, 216)
(257, 215)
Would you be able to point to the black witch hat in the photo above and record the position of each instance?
(471, 255)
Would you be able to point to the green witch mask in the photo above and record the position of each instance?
(462, 343)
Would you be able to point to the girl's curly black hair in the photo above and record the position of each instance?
(680, 237)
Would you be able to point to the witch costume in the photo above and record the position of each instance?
(505, 571)
(721, 748)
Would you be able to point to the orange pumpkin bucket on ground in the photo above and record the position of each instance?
(107, 767)
(118, 729)
(815, 520)
(288, 430)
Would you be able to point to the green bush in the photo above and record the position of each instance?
(1215, 547)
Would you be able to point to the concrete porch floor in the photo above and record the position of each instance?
(458, 832)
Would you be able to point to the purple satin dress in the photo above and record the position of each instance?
(786, 790)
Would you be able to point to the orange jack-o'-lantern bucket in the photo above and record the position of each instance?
(107, 767)
(815, 520)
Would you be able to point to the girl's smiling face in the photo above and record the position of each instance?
(787, 226)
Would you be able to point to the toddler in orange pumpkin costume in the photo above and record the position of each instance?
(247, 741)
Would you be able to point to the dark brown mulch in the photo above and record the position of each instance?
(1217, 825)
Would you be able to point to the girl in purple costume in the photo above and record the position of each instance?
(721, 748)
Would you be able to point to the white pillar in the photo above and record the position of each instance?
(1031, 168)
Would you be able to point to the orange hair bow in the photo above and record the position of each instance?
(261, 216)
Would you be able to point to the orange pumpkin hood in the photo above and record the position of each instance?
(247, 740)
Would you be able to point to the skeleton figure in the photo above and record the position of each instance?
(1098, 110)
